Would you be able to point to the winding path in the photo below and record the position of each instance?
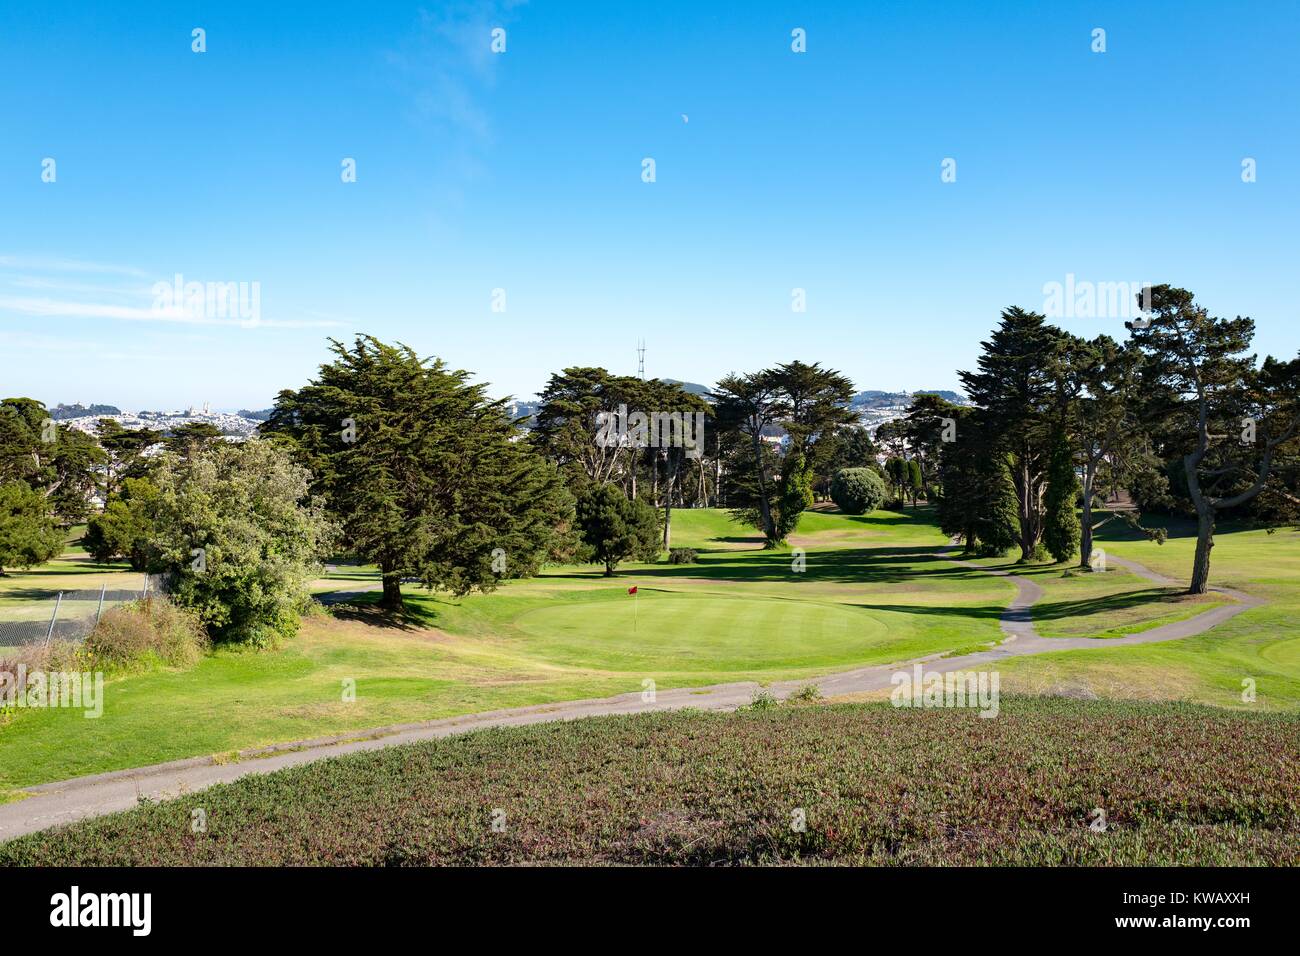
(58, 803)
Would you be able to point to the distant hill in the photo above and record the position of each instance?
(261, 416)
(63, 412)
(693, 387)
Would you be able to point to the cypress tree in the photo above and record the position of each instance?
(424, 473)
(1061, 529)
(998, 527)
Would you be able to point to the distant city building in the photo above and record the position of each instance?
(232, 427)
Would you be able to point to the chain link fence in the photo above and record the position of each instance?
(69, 616)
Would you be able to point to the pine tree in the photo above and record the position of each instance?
(1233, 423)
(1013, 390)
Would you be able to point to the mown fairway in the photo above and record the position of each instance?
(1261, 645)
(871, 784)
(874, 591)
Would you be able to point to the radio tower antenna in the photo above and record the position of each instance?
(640, 355)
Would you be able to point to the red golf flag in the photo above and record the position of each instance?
(632, 589)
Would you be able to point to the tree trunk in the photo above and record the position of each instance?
(1026, 518)
(1204, 543)
(392, 599)
(609, 569)
(1204, 517)
(764, 506)
(1085, 532)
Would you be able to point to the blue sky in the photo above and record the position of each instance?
(522, 171)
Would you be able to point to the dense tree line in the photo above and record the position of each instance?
(402, 461)
(1180, 415)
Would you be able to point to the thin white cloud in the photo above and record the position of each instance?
(40, 264)
(79, 289)
(54, 308)
(447, 65)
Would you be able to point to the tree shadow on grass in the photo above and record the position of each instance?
(1061, 610)
(866, 566)
(365, 609)
(29, 594)
(976, 612)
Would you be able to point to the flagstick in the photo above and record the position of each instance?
(636, 602)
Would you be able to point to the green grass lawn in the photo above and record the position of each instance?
(1102, 604)
(874, 591)
(1180, 785)
(1260, 645)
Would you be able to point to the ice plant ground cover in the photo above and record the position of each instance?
(796, 783)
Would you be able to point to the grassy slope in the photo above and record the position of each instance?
(1179, 785)
(741, 613)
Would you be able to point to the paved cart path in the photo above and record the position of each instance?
(57, 803)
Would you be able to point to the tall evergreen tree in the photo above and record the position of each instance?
(915, 479)
(1013, 390)
(1060, 520)
(962, 468)
(748, 407)
(997, 525)
(125, 448)
(57, 461)
(426, 476)
(811, 405)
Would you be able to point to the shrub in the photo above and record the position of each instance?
(1042, 554)
(153, 629)
(857, 491)
(763, 700)
(18, 664)
(238, 534)
(806, 694)
(681, 556)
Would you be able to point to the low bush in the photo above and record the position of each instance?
(806, 694)
(146, 631)
(763, 700)
(857, 491)
(681, 556)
